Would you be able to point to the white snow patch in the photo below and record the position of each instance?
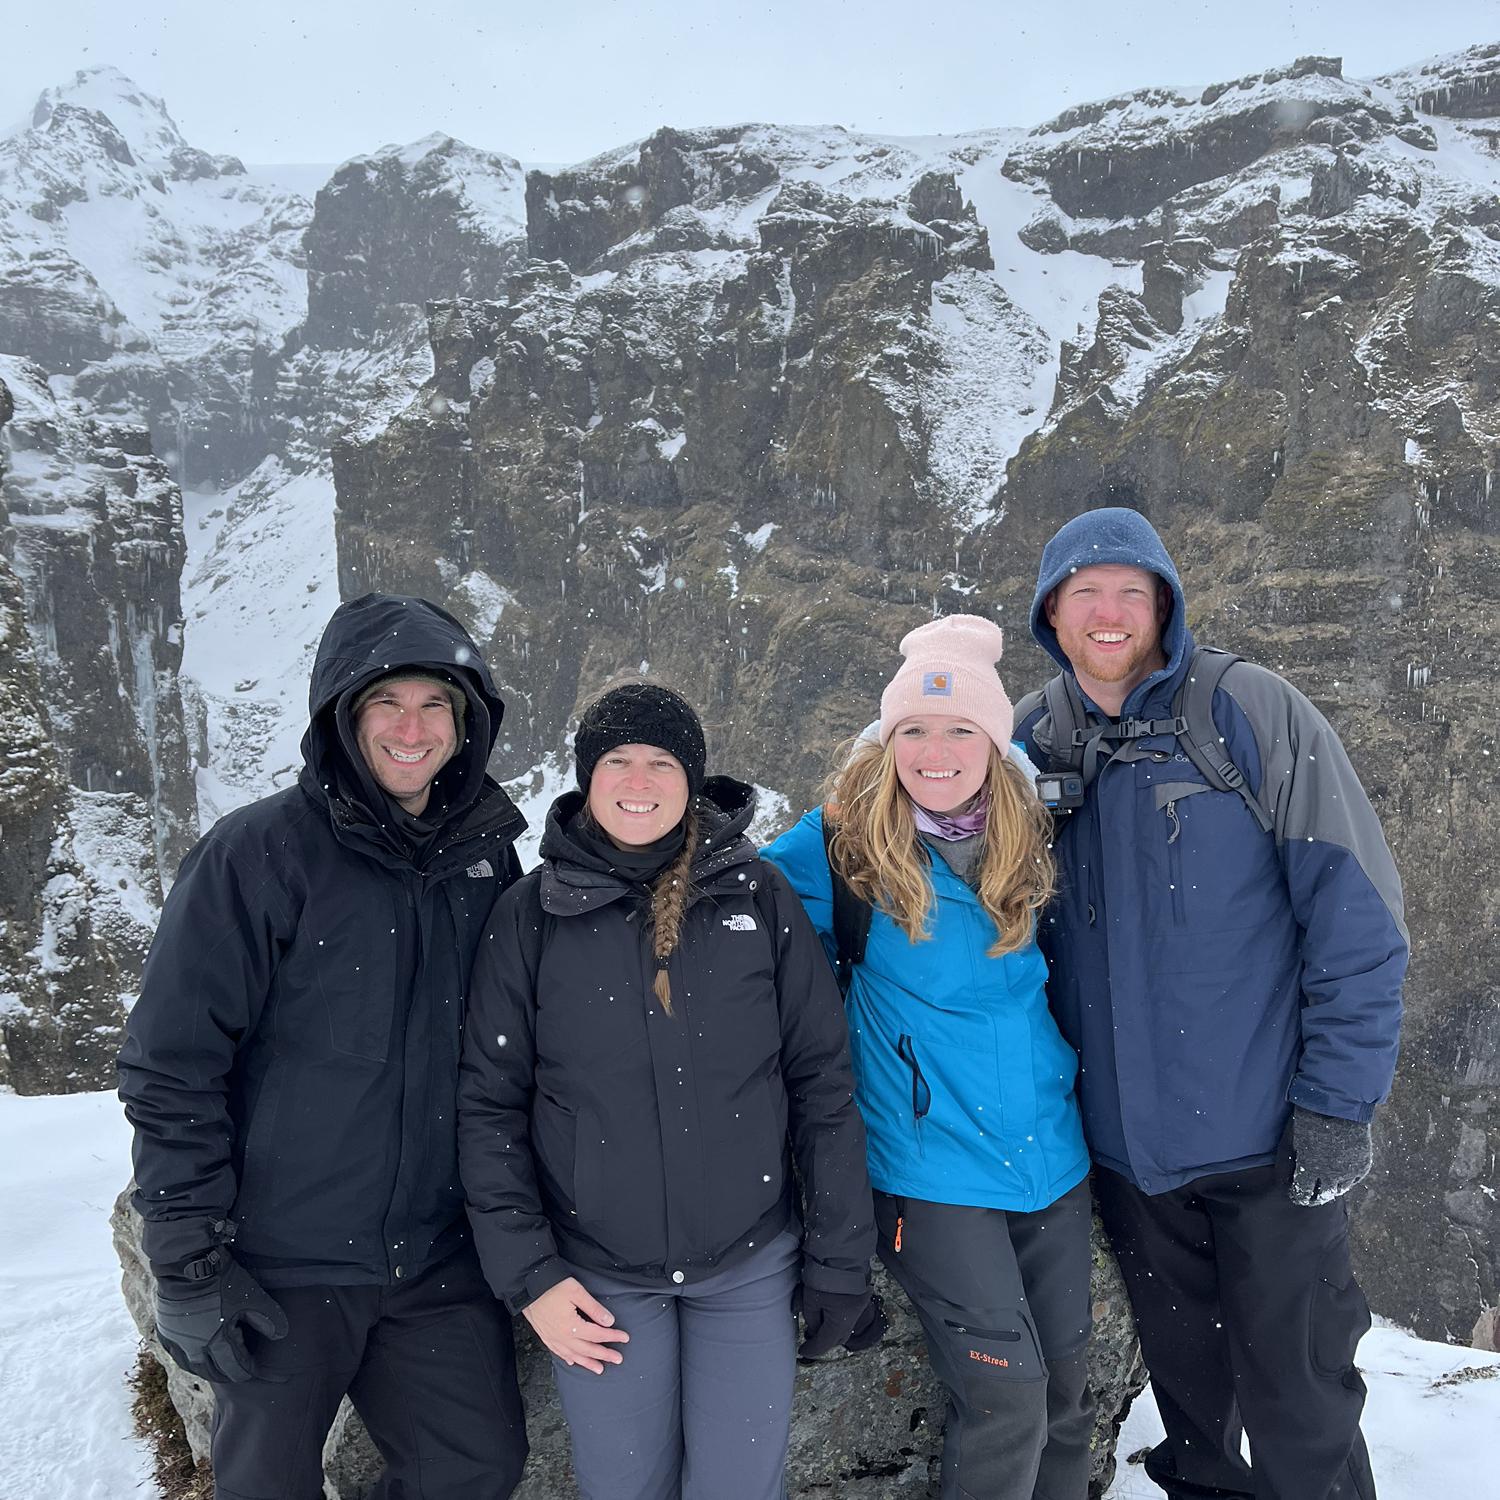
(773, 815)
(260, 583)
(534, 793)
(1427, 1433)
(756, 540)
(69, 1343)
(480, 602)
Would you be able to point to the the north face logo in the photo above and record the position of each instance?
(740, 922)
(484, 870)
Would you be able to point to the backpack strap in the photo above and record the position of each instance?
(1199, 736)
(851, 917)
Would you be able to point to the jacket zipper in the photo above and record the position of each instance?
(1174, 862)
(921, 1094)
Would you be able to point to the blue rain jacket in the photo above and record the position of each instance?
(965, 1084)
(1212, 975)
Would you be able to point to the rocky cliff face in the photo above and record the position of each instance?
(390, 228)
(744, 406)
(99, 805)
(767, 398)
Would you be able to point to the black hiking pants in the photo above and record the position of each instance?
(1004, 1301)
(428, 1364)
(1249, 1316)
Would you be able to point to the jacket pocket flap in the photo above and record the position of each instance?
(1174, 791)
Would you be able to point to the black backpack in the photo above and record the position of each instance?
(1079, 738)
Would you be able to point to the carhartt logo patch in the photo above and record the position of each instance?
(937, 684)
(740, 922)
(483, 870)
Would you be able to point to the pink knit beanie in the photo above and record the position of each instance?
(950, 670)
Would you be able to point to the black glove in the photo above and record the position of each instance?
(200, 1309)
(854, 1319)
(1332, 1155)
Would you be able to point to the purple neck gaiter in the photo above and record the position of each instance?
(955, 825)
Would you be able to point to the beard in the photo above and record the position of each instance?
(1139, 658)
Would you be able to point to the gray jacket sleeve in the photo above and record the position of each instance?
(1344, 891)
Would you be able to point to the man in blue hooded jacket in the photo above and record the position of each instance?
(1229, 968)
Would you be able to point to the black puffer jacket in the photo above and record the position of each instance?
(598, 1132)
(292, 1061)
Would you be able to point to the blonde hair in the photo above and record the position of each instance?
(877, 850)
(670, 894)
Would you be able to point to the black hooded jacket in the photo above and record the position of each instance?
(598, 1132)
(292, 1061)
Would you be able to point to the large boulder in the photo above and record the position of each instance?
(864, 1427)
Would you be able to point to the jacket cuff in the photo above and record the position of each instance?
(171, 1242)
(1321, 1102)
(542, 1277)
(825, 1278)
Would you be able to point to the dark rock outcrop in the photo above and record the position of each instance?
(103, 797)
(1125, 157)
(391, 230)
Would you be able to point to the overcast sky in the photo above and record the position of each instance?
(558, 80)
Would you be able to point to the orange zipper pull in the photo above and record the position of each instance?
(900, 1224)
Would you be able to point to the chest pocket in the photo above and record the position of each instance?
(1217, 864)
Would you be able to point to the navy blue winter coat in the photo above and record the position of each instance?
(1212, 975)
(292, 1062)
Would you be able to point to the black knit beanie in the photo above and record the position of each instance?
(640, 713)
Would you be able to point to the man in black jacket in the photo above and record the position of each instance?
(290, 1071)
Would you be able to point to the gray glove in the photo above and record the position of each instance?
(200, 1307)
(1332, 1156)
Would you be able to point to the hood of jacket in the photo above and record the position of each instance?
(1114, 534)
(575, 879)
(368, 638)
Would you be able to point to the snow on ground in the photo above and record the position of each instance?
(1430, 1421)
(68, 1342)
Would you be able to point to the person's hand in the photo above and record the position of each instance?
(1332, 1155)
(576, 1327)
(854, 1319)
(202, 1310)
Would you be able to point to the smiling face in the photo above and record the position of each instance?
(406, 734)
(637, 793)
(941, 763)
(1108, 619)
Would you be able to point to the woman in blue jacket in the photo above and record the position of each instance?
(976, 1151)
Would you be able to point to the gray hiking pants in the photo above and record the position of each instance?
(700, 1407)
(1004, 1301)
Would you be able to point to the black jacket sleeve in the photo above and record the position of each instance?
(206, 980)
(514, 1239)
(828, 1136)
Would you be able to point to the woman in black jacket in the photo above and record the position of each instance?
(654, 1036)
